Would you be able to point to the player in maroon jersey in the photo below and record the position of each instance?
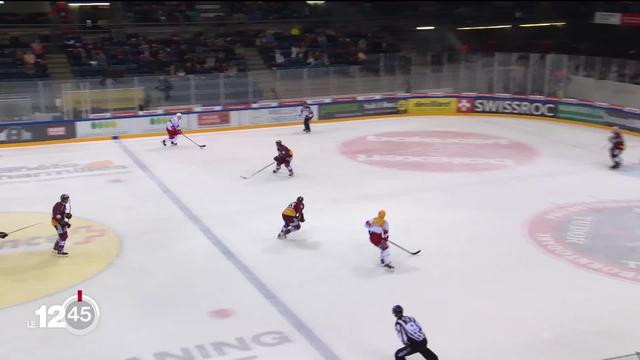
(284, 157)
(617, 146)
(292, 217)
(59, 221)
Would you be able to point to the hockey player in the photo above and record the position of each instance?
(308, 115)
(173, 130)
(284, 157)
(3, 234)
(617, 146)
(59, 221)
(293, 215)
(411, 335)
(378, 235)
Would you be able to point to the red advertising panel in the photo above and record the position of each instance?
(213, 119)
(630, 19)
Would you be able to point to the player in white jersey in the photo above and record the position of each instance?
(411, 334)
(307, 112)
(378, 229)
(173, 130)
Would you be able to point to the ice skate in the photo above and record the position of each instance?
(389, 266)
(62, 253)
(164, 142)
(290, 173)
(276, 169)
(282, 235)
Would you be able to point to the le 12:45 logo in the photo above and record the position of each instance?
(79, 315)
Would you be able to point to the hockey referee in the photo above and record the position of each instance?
(411, 335)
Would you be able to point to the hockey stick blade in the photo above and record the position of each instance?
(257, 172)
(405, 250)
(23, 228)
(195, 143)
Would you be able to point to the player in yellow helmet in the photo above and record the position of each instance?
(379, 235)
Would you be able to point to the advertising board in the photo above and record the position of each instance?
(39, 132)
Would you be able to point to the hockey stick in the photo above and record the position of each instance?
(26, 227)
(201, 146)
(412, 253)
(252, 175)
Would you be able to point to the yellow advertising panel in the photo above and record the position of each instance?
(432, 106)
(112, 99)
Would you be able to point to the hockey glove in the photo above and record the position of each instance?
(3, 235)
(68, 215)
(67, 225)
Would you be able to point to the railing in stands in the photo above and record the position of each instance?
(596, 79)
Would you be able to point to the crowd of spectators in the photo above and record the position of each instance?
(299, 47)
(160, 12)
(187, 11)
(174, 54)
(23, 60)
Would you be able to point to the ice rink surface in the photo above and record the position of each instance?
(181, 254)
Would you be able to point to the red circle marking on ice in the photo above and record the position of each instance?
(438, 151)
(598, 236)
(221, 313)
(103, 164)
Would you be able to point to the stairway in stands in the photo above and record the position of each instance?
(262, 75)
(59, 68)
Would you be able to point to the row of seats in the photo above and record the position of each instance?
(14, 64)
(148, 54)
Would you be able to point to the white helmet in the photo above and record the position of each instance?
(179, 115)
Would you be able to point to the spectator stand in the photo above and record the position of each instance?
(23, 60)
(316, 48)
(124, 53)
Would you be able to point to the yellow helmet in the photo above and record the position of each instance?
(382, 214)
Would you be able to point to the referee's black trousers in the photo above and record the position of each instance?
(307, 119)
(417, 347)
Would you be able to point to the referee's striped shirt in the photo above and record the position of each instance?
(409, 330)
(306, 111)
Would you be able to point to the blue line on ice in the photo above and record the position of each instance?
(320, 346)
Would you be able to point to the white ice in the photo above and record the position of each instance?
(480, 287)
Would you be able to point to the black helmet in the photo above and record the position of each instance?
(278, 142)
(64, 198)
(300, 199)
(397, 310)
